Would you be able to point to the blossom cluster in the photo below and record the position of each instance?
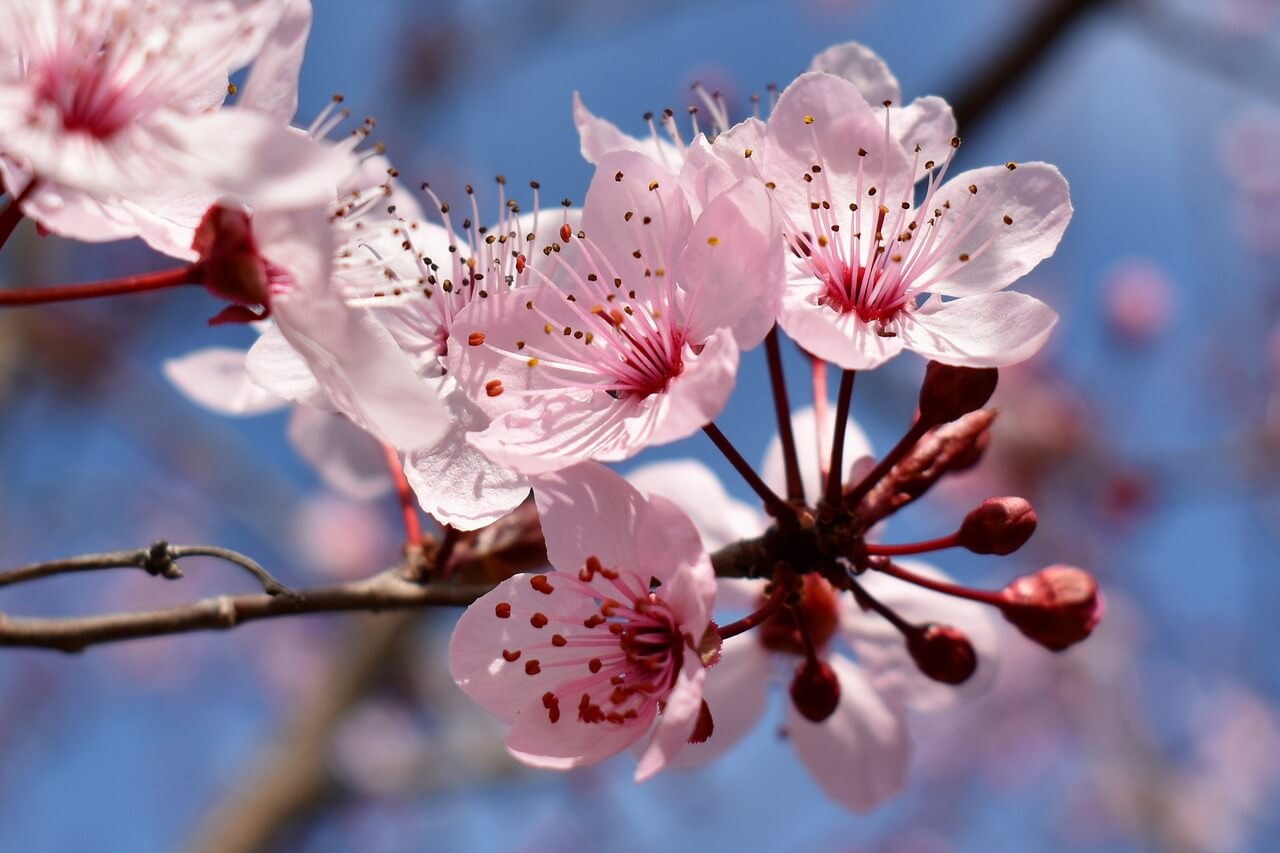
(491, 361)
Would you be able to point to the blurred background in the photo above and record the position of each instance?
(1146, 435)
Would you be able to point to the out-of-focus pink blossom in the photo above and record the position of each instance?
(587, 660)
(1138, 298)
(340, 539)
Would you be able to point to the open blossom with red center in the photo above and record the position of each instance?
(609, 648)
(111, 117)
(867, 245)
(633, 338)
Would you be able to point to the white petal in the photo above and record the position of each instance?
(883, 654)
(677, 721)
(736, 691)
(275, 365)
(216, 379)
(862, 67)
(272, 85)
(349, 460)
(804, 428)
(858, 755)
(987, 330)
(840, 338)
(719, 517)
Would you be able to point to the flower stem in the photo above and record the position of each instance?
(192, 274)
(855, 495)
(775, 505)
(782, 408)
(951, 541)
(404, 494)
(835, 471)
(777, 595)
(867, 602)
(891, 568)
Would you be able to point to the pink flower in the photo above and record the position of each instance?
(1138, 298)
(860, 753)
(103, 102)
(864, 249)
(587, 660)
(633, 340)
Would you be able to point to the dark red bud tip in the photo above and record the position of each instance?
(1056, 607)
(950, 392)
(943, 653)
(815, 690)
(998, 526)
(704, 727)
(233, 269)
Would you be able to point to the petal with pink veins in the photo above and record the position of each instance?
(677, 720)
(599, 137)
(839, 337)
(862, 67)
(737, 692)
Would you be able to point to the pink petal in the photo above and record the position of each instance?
(677, 721)
(569, 743)
(737, 692)
(840, 338)
(589, 511)
(858, 755)
(355, 359)
(824, 120)
(600, 138)
(804, 428)
(884, 656)
(928, 123)
(272, 85)
(690, 485)
(1037, 202)
(216, 379)
(273, 364)
(732, 267)
(862, 67)
(616, 237)
(987, 330)
(711, 169)
(698, 395)
(481, 636)
(457, 484)
(348, 459)
(255, 159)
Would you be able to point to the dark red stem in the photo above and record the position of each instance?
(925, 547)
(835, 471)
(782, 408)
(855, 495)
(868, 602)
(13, 213)
(771, 604)
(890, 568)
(775, 505)
(192, 274)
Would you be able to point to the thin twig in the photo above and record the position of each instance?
(835, 473)
(782, 409)
(776, 506)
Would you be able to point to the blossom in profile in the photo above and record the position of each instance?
(633, 339)
(608, 649)
(112, 121)
(877, 265)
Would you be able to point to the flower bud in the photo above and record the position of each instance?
(1055, 607)
(950, 392)
(233, 268)
(943, 653)
(998, 526)
(815, 690)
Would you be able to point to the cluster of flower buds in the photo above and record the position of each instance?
(489, 361)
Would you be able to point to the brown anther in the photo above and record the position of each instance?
(541, 584)
(493, 387)
(475, 339)
(502, 610)
(538, 620)
(532, 667)
(510, 656)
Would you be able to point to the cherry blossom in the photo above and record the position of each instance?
(865, 247)
(607, 649)
(639, 344)
(859, 754)
(111, 116)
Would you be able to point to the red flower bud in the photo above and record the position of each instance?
(1056, 607)
(998, 526)
(950, 392)
(233, 268)
(815, 690)
(943, 653)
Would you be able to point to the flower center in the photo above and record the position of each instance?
(85, 94)
(819, 610)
